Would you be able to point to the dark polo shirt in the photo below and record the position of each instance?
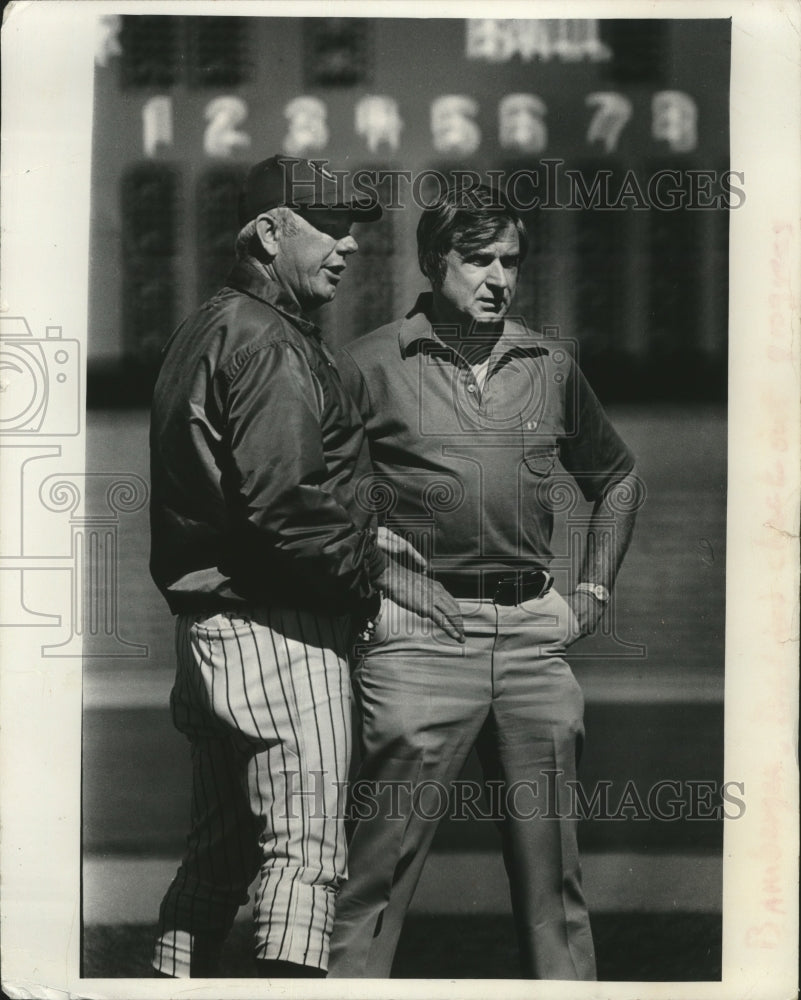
(471, 474)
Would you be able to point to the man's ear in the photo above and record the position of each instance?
(267, 230)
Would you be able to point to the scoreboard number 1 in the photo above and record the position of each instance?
(156, 124)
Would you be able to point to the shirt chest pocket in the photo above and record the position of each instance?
(539, 453)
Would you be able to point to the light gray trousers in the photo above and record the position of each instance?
(425, 702)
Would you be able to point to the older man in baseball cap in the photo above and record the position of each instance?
(267, 560)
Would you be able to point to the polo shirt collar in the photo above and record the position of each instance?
(416, 326)
(246, 277)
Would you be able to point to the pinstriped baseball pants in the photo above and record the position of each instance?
(264, 700)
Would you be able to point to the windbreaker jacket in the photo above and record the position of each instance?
(257, 454)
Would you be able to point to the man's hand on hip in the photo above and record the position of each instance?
(399, 548)
(423, 596)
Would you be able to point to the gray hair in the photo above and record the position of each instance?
(248, 244)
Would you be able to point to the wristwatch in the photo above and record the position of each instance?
(596, 590)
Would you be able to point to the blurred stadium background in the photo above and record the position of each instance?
(182, 106)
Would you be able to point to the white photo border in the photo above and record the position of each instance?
(48, 63)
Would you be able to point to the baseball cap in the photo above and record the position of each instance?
(302, 185)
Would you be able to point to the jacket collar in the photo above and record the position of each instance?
(247, 277)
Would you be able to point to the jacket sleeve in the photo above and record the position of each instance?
(287, 524)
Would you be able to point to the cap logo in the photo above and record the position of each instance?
(320, 168)
(298, 184)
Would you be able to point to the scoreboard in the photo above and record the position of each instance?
(613, 133)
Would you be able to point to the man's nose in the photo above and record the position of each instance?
(496, 276)
(347, 245)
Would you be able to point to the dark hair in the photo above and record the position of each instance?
(464, 219)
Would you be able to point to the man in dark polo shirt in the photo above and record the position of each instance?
(467, 414)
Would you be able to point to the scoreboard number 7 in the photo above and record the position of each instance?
(612, 114)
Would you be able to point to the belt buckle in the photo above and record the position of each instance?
(533, 580)
(544, 582)
(507, 590)
(533, 584)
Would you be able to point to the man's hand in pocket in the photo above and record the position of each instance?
(587, 610)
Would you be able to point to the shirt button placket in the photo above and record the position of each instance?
(473, 393)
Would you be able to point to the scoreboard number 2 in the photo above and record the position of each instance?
(223, 137)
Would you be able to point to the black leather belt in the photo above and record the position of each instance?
(502, 588)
